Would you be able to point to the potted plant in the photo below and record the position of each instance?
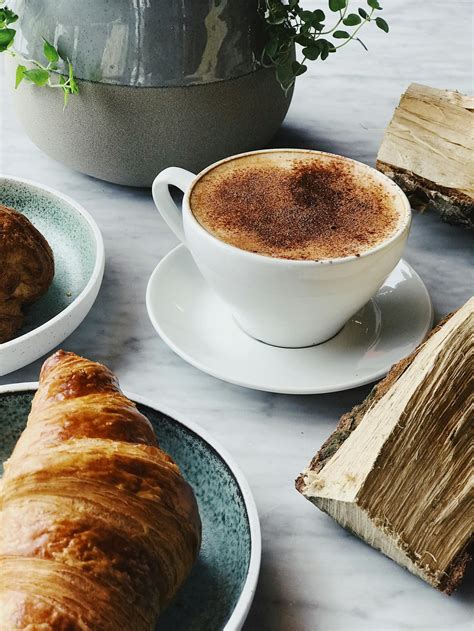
(182, 83)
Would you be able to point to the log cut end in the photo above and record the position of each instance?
(427, 150)
(397, 471)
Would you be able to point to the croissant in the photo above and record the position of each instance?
(98, 527)
(26, 268)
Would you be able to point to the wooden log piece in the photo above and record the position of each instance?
(398, 470)
(428, 150)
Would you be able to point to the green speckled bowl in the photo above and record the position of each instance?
(79, 266)
(222, 584)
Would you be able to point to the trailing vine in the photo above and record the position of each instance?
(288, 25)
(46, 73)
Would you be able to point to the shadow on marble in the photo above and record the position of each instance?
(291, 136)
(466, 589)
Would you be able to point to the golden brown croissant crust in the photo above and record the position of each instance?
(99, 529)
(26, 268)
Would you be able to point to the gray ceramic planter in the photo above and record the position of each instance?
(168, 82)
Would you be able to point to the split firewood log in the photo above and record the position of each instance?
(428, 150)
(398, 469)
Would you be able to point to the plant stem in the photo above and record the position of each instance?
(343, 15)
(356, 30)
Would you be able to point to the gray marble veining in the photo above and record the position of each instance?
(315, 576)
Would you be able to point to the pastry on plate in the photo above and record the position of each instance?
(27, 269)
(98, 527)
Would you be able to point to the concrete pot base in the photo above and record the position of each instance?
(127, 135)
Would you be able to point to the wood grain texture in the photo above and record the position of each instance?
(314, 577)
(428, 150)
(397, 471)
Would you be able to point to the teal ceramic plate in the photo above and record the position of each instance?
(79, 266)
(220, 589)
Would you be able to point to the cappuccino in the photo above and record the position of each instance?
(297, 205)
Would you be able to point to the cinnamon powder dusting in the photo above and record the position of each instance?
(293, 207)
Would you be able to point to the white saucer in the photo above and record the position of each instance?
(199, 327)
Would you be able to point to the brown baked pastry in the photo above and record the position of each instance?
(26, 269)
(98, 527)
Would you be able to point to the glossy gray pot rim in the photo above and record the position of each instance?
(155, 44)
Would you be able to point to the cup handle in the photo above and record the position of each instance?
(163, 200)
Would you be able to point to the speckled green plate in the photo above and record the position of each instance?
(219, 592)
(79, 266)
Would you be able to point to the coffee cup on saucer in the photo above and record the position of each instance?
(293, 241)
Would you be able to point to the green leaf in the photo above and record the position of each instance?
(38, 76)
(284, 75)
(7, 35)
(352, 19)
(19, 75)
(381, 23)
(277, 14)
(325, 47)
(323, 44)
(275, 19)
(271, 47)
(10, 16)
(50, 52)
(337, 5)
(73, 87)
(289, 23)
(284, 48)
(341, 34)
(319, 15)
(7, 17)
(312, 18)
(298, 69)
(311, 52)
(304, 40)
(306, 15)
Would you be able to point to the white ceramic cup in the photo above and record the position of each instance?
(289, 303)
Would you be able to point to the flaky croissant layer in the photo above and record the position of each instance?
(98, 527)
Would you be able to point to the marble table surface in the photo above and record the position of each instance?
(314, 575)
